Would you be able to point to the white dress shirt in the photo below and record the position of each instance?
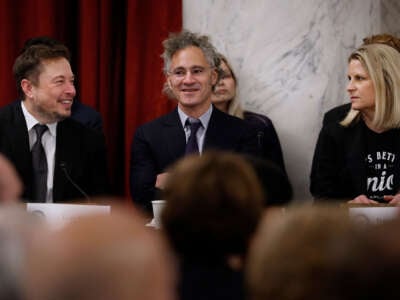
(49, 145)
(201, 132)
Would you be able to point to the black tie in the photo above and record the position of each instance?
(192, 147)
(39, 164)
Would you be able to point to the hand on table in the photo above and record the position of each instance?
(362, 199)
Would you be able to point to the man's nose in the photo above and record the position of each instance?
(71, 89)
(189, 78)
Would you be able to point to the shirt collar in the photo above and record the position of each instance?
(204, 118)
(32, 121)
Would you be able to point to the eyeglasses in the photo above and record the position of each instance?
(180, 73)
(226, 75)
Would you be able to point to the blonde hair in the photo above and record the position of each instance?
(382, 63)
(234, 106)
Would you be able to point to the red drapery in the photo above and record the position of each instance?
(116, 48)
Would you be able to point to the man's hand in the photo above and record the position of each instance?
(161, 179)
(362, 199)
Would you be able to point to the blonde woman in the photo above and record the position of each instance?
(224, 98)
(357, 160)
(337, 113)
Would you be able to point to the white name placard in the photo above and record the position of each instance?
(374, 215)
(57, 214)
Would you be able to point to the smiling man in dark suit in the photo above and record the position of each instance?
(57, 158)
(191, 67)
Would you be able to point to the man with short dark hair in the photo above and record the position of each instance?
(79, 111)
(57, 158)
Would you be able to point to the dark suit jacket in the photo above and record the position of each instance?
(80, 149)
(338, 171)
(86, 115)
(159, 143)
(267, 139)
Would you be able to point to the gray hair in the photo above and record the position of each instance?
(184, 39)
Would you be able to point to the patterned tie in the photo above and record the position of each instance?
(192, 147)
(39, 164)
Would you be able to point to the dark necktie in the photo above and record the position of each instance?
(191, 146)
(39, 164)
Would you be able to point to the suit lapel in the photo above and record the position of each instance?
(216, 135)
(174, 135)
(211, 137)
(19, 143)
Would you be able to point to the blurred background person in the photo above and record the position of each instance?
(320, 253)
(275, 184)
(10, 183)
(357, 160)
(213, 205)
(18, 230)
(101, 257)
(224, 98)
(338, 113)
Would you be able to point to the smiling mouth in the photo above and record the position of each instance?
(221, 92)
(66, 103)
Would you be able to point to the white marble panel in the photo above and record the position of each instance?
(390, 16)
(291, 58)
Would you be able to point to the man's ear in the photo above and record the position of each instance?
(169, 83)
(214, 77)
(27, 87)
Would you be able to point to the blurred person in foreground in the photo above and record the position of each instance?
(357, 160)
(18, 230)
(101, 258)
(213, 205)
(10, 183)
(320, 253)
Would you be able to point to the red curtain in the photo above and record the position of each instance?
(116, 48)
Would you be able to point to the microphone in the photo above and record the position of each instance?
(260, 137)
(63, 166)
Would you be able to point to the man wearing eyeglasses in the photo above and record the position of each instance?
(191, 67)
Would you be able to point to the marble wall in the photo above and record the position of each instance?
(290, 57)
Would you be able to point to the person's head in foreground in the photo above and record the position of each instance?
(102, 258)
(214, 203)
(18, 229)
(320, 253)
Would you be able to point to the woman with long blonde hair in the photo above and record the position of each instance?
(358, 159)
